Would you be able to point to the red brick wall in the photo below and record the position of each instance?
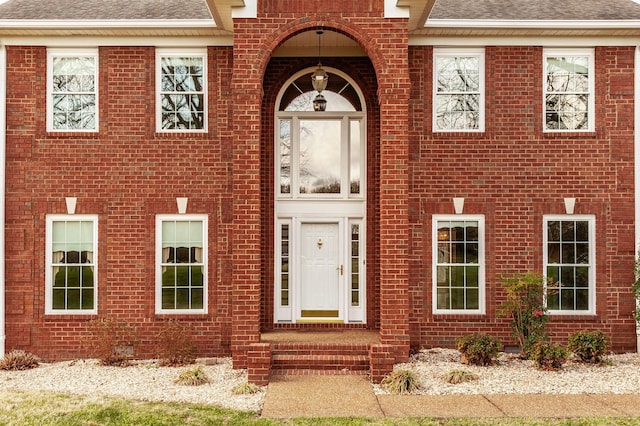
(125, 173)
(513, 173)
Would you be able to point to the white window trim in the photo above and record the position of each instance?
(60, 52)
(552, 52)
(592, 260)
(456, 52)
(49, 264)
(158, 270)
(193, 52)
(481, 264)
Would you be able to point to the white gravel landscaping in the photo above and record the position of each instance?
(620, 374)
(144, 380)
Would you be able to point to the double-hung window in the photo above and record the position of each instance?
(181, 264)
(71, 274)
(458, 90)
(181, 79)
(569, 264)
(569, 90)
(458, 264)
(72, 90)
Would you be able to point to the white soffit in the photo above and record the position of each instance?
(395, 9)
(245, 9)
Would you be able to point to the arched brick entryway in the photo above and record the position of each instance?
(383, 40)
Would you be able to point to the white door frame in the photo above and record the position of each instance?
(293, 209)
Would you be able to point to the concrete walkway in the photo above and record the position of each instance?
(348, 396)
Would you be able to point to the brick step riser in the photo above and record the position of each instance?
(306, 352)
(319, 362)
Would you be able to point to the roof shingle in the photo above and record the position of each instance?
(87, 10)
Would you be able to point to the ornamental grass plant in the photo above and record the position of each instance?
(400, 382)
(18, 360)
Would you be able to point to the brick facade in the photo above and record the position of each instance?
(127, 173)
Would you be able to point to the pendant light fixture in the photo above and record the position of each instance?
(319, 80)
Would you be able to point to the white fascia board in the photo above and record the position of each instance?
(507, 40)
(248, 10)
(393, 9)
(109, 23)
(93, 41)
(532, 24)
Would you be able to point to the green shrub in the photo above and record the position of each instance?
(478, 349)
(549, 356)
(192, 377)
(400, 382)
(524, 305)
(111, 341)
(459, 376)
(175, 347)
(589, 346)
(19, 360)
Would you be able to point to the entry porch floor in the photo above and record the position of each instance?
(329, 336)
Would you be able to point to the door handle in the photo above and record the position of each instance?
(341, 269)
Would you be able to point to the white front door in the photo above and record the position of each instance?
(321, 270)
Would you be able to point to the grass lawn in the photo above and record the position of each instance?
(43, 408)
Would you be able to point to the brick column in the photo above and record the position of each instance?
(393, 93)
(246, 93)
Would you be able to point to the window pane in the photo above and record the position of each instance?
(354, 157)
(285, 156)
(197, 298)
(457, 298)
(320, 156)
(582, 300)
(168, 300)
(568, 253)
(472, 276)
(443, 276)
(472, 253)
(87, 299)
(457, 276)
(473, 300)
(182, 298)
(567, 299)
(457, 256)
(284, 266)
(443, 298)
(553, 253)
(582, 277)
(582, 231)
(553, 300)
(567, 277)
